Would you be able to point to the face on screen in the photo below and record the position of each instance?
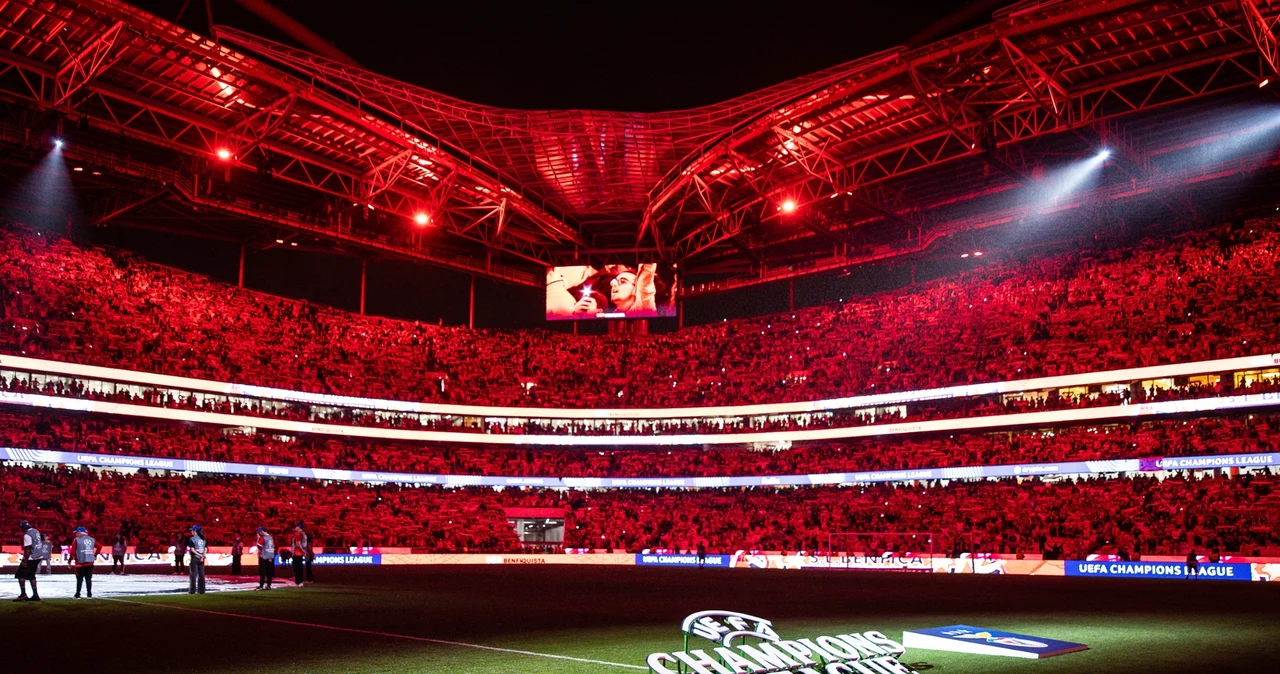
(610, 291)
(622, 290)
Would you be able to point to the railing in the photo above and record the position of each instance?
(1042, 470)
(1242, 363)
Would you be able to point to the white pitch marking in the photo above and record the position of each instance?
(376, 633)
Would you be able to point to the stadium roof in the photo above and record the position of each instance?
(886, 155)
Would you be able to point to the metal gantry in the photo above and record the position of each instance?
(880, 156)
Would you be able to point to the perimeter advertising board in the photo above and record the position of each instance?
(1205, 570)
(672, 559)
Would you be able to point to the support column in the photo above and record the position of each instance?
(240, 275)
(364, 272)
(679, 314)
(791, 294)
(471, 305)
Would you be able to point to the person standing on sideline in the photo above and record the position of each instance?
(84, 551)
(266, 559)
(1193, 565)
(702, 554)
(46, 560)
(198, 549)
(32, 548)
(237, 549)
(311, 555)
(118, 548)
(298, 548)
(180, 554)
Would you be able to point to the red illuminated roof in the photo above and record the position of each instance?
(882, 156)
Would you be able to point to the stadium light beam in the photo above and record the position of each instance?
(223, 153)
(421, 219)
(1069, 179)
(46, 197)
(788, 206)
(1239, 135)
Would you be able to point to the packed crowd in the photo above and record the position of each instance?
(1235, 434)
(151, 508)
(953, 408)
(1066, 519)
(1197, 296)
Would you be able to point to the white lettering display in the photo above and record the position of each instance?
(868, 652)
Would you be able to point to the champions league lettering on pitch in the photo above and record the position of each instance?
(852, 653)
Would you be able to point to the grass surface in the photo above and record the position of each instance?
(620, 615)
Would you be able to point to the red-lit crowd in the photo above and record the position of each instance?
(1066, 519)
(973, 406)
(1197, 296)
(1190, 437)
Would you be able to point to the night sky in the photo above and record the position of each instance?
(631, 56)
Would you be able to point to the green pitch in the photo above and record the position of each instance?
(395, 620)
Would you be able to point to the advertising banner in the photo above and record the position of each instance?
(52, 456)
(670, 559)
(1206, 570)
(982, 641)
(333, 559)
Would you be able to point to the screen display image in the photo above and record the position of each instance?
(584, 292)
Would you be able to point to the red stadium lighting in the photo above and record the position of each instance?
(421, 219)
(788, 206)
(223, 153)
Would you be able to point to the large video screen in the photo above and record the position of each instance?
(583, 292)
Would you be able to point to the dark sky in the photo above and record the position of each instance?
(608, 54)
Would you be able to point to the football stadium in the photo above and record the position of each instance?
(681, 339)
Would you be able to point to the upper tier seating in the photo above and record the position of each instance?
(1198, 296)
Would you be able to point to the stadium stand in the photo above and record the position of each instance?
(1133, 516)
(960, 407)
(1187, 437)
(1197, 296)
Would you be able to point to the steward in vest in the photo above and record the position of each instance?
(32, 553)
(83, 553)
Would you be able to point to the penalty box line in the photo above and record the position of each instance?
(390, 635)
